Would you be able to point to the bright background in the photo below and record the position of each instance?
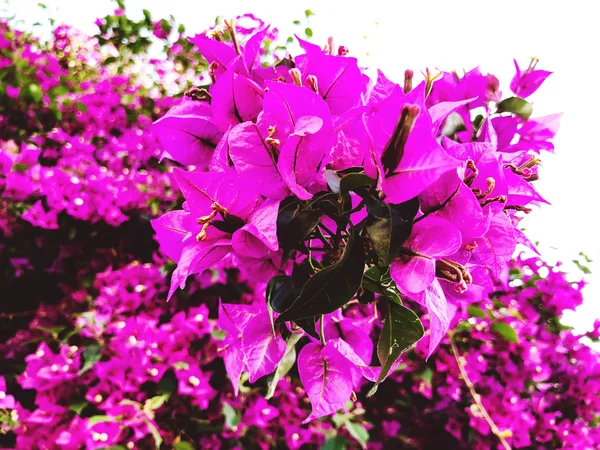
(457, 35)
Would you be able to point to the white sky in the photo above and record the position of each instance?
(459, 34)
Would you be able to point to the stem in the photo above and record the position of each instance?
(320, 235)
(331, 233)
(230, 24)
(310, 258)
(322, 331)
(476, 397)
(353, 210)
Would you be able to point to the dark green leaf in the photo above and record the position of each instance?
(308, 325)
(294, 225)
(229, 224)
(91, 356)
(281, 293)
(389, 226)
(286, 62)
(516, 105)
(282, 290)
(168, 383)
(506, 331)
(332, 287)
(382, 284)
(335, 443)
(402, 328)
(354, 181)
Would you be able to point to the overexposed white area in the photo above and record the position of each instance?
(450, 35)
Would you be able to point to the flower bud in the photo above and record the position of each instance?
(201, 95)
(312, 83)
(394, 150)
(296, 76)
(408, 77)
(342, 51)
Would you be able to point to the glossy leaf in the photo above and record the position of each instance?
(402, 329)
(332, 287)
(516, 105)
(354, 181)
(294, 226)
(389, 226)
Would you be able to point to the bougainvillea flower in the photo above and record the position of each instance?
(325, 374)
(431, 238)
(525, 83)
(188, 133)
(402, 136)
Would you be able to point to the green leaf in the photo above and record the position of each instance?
(506, 331)
(156, 402)
(155, 434)
(335, 443)
(296, 22)
(183, 446)
(232, 418)
(35, 92)
(182, 365)
(91, 356)
(585, 269)
(426, 375)
(402, 328)
(308, 32)
(476, 311)
(308, 13)
(98, 419)
(77, 407)
(389, 226)
(19, 167)
(81, 107)
(516, 105)
(354, 181)
(358, 432)
(54, 331)
(332, 287)
(286, 363)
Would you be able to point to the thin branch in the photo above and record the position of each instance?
(476, 397)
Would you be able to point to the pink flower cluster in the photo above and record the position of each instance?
(311, 156)
(333, 232)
